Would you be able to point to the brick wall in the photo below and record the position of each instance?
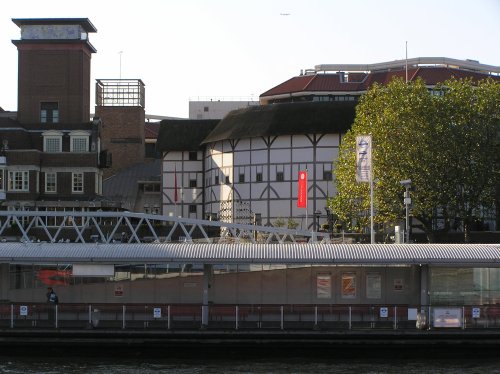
(122, 134)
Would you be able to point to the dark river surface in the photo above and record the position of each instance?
(77, 365)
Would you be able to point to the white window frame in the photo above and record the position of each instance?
(75, 184)
(48, 139)
(79, 135)
(47, 190)
(52, 135)
(3, 174)
(24, 180)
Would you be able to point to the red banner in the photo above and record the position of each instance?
(302, 198)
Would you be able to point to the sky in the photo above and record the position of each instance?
(235, 50)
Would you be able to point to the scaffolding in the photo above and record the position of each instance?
(119, 92)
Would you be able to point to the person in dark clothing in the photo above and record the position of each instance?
(52, 300)
(52, 296)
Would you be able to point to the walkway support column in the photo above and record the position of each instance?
(207, 280)
(424, 286)
(4, 282)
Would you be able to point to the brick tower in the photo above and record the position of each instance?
(120, 106)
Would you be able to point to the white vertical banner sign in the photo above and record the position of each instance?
(363, 158)
(364, 171)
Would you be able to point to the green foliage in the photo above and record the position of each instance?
(279, 222)
(448, 145)
(292, 224)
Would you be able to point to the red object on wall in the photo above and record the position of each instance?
(302, 196)
(54, 277)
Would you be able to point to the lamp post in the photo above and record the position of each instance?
(407, 201)
(317, 214)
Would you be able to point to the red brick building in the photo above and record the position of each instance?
(51, 152)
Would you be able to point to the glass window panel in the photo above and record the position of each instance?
(77, 185)
(50, 182)
(80, 144)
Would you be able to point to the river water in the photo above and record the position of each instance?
(299, 365)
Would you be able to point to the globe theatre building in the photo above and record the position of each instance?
(244, 169)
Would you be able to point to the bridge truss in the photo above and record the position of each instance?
(127, 227)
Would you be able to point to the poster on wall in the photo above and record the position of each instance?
(447, 317)
(323, 286)
(373, 286)
(398, 284)
(349, 286)
(118, 290)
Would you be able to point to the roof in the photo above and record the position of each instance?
(411, 62)
(151, 130)
(28, 136)
(84, 22)
(183, 135)
(334, 82)
(325, 254)
(123, 185)
(285, 119)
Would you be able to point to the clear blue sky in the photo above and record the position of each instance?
(228, 48)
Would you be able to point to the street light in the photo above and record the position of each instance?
(317, 214)
(407, 201)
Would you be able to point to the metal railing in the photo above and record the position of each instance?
(245, 317)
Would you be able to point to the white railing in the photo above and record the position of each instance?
(110, 227)
(249, 317)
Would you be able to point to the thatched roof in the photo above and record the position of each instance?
(285, 119)
(183, 134)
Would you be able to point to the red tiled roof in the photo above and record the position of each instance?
(151, 130)
(322, 82)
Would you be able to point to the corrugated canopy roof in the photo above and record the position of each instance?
(485, 255)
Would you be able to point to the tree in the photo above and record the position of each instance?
(443, 140)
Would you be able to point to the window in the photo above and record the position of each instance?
(241, 178)
(52, 144)
(192, 208)
(216, 179)
(18, 181)
(2, 180)
(193, 156)
(150, 187)
(52, 141)
(192, 183)
(259, 177)
(205, 108)
(79, 141)
(280, 176)
(50, 182)
(77, 182)
(49, 113)
(327, 175)
(227, 179)
(79, 144)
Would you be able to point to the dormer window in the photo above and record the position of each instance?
(49, 112)
(52, 141)
(79, 141)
